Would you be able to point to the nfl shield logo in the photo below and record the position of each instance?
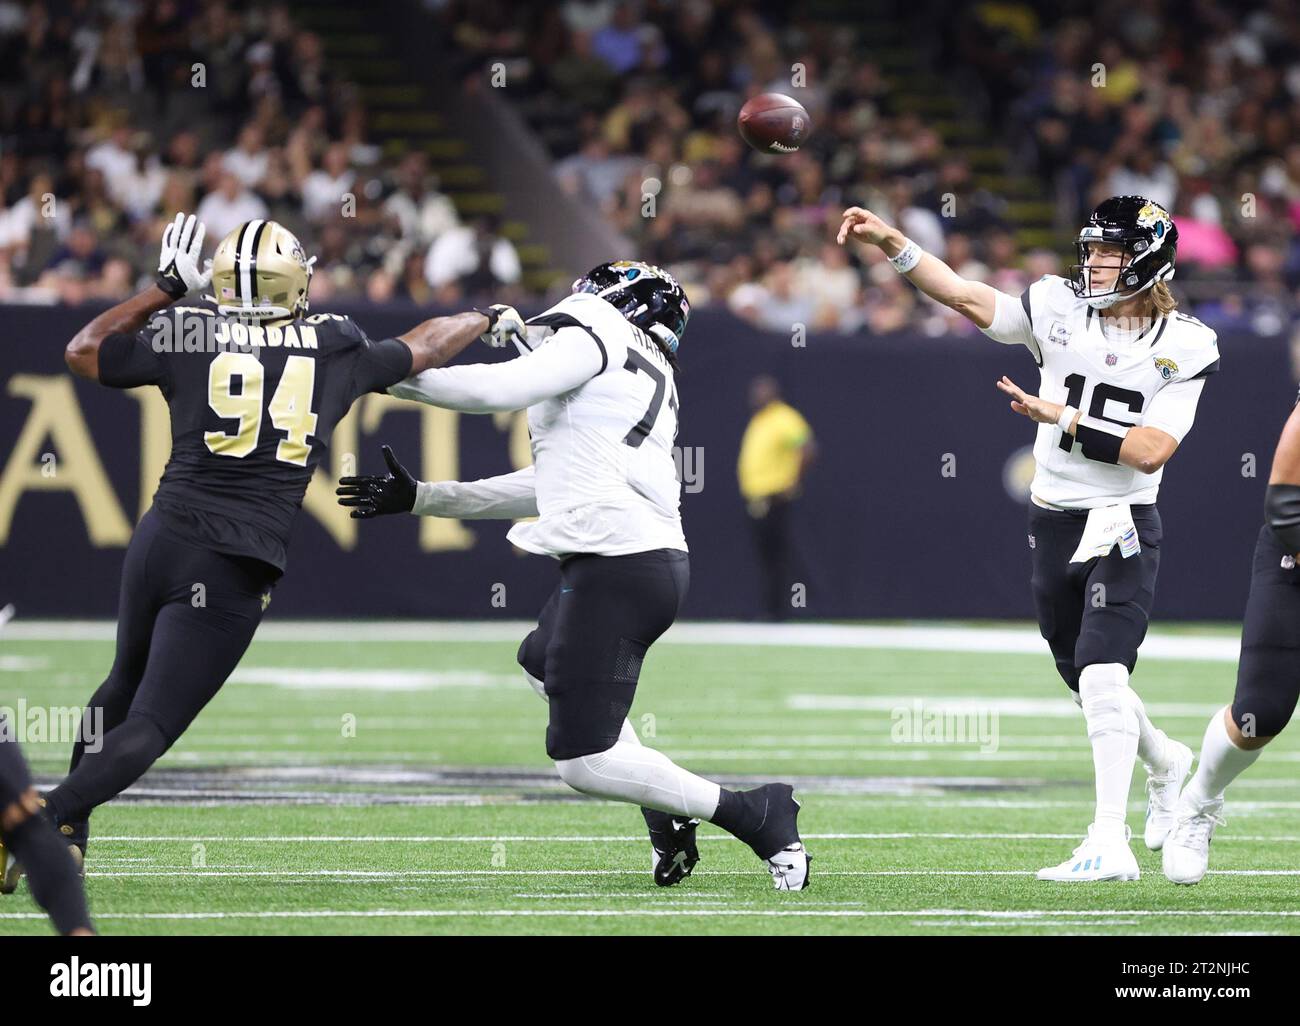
(1111, 359)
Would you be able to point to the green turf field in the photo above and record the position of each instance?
(392, 779)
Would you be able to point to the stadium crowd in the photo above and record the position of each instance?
(115, 114)
(104, 131)
(1080, 101)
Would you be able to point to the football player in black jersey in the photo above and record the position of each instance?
(1268, 673)
(254, 386)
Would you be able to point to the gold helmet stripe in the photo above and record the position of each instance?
(246, 261)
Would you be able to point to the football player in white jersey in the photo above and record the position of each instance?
(1268, 674)
(1121, 372)
(596, 373)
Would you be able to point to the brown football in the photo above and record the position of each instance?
(774, 123)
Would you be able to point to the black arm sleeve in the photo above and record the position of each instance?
(381, 364)
(126, 361)
(1282, 507)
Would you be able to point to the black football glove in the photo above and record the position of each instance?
(375, 496)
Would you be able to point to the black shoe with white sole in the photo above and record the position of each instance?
(673, 840)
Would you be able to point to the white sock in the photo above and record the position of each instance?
(1153, 747)
(640, 775)
(1113, 730)
(625, 733)
(1221, 763)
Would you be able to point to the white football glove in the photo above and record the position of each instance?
(506, 325)
(178, 264)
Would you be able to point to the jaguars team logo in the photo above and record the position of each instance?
(1155, 217)
(1166, 367)
(632, 270)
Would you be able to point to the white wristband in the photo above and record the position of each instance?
(1066, 418)
(908, 258)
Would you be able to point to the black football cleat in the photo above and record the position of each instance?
(673, 840)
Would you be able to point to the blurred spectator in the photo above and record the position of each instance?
(249, 160)
(775, 454)
(473, 257)
(422, 213)
(229, 206)
(323, 189)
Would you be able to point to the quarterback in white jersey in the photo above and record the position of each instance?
(1121, 373)
(596, 373)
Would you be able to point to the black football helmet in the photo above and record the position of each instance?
(1150, 241)
(644, 294)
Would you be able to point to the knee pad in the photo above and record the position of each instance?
(583, 773)
(1107, 700)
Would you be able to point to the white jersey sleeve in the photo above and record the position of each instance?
(587, 317)
(506, 497)
(1174, 408)
(566, 361)
(1012, 323)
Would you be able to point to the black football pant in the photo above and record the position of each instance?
(1268, 674)
(186, 615)
(1096, 611)
(591, 638)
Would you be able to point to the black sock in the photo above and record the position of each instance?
(51, 873)
(737, 814)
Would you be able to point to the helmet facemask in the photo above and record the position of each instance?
(1148, 242)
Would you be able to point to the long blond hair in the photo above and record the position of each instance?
(1163, 299)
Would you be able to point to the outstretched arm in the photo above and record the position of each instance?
(559, 366)
(434, 342)
(974, 300)
(178, 274)
(506, 497)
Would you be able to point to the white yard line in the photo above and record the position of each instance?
(419, 874)
(1021, 639)
(1031, 915)
(602, 838)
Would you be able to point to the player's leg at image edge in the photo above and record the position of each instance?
(28, 838)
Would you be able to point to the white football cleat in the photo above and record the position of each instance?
(789, 868)
(1162, 795)
(1096, 859)
(1186, 854)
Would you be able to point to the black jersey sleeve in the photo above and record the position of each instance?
(381, 364)
(127, 361)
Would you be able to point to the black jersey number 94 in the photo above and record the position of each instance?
(289, 409)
